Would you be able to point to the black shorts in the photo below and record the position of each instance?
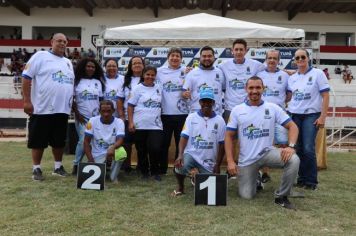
(47, 129)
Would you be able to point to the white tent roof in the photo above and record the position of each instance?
(200, 27)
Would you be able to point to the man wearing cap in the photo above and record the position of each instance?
(104, 135)
(201, 146)
(254, 123)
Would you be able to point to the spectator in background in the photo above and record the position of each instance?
(75, 54)
(326, 72)
(83, 53)
(68, 54)
(91, 53)
(347, 74)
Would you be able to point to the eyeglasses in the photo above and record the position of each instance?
(302, 57)
(272, 58)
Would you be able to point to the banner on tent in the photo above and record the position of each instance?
(157, 56)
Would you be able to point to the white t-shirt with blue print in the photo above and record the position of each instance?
(103, 135)
(171, 81)
(125, 93)
(255, 127)
(276, 84)
(306, 91)
(147, 107)
(112, 87)
(87, 94)
(52, 83)
(199, 79)
(204, 136)
(236, 76)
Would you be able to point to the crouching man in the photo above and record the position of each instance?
(254, 122)
(103, 135)
(201, 146)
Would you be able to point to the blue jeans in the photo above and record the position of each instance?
(308, 171)
(79, 150)
(188, 164)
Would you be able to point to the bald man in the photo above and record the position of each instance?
(48, 81)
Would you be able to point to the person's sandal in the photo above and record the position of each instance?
(176, 193)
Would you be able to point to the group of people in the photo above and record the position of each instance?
(204, 108)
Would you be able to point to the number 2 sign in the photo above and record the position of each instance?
(91, 176)
(210, 189)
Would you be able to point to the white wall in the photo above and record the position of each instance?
(76, 17)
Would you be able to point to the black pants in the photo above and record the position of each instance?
(172, 124)
(148, 145)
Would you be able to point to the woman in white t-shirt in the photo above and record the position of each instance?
(308, 107)
(144, 117)
(88, 91)
(174, 107)
(113, 82)
(131, 80)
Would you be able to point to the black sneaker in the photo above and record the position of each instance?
(310, 187)
(284, 202)
(75, 170)
(37, 175)
(299, 185)
(157, 178)
(265, 178)
(60, 172)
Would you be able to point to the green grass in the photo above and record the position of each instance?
(56, 207)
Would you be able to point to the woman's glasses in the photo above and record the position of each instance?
(302, 57)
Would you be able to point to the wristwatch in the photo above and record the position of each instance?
(291, 145)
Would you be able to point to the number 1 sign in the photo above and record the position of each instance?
(210, 189)
(91, 176)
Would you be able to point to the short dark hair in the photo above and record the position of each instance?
(111, 59)
(273, 50)
(207, 48)
(239, 41)
(106, 102)
(255, 77)
(175, 50)
(147, 68)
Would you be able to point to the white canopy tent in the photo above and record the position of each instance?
(200, 27)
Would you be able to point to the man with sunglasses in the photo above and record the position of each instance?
(48, 85)
(275, 91)
(309, 89)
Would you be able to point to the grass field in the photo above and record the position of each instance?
(133, 207)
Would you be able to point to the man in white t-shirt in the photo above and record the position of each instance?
(103, 135)
(201, 147)
(206, 76)
(275, 83)
(254, 122)
(236, 72)
(48, 85)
